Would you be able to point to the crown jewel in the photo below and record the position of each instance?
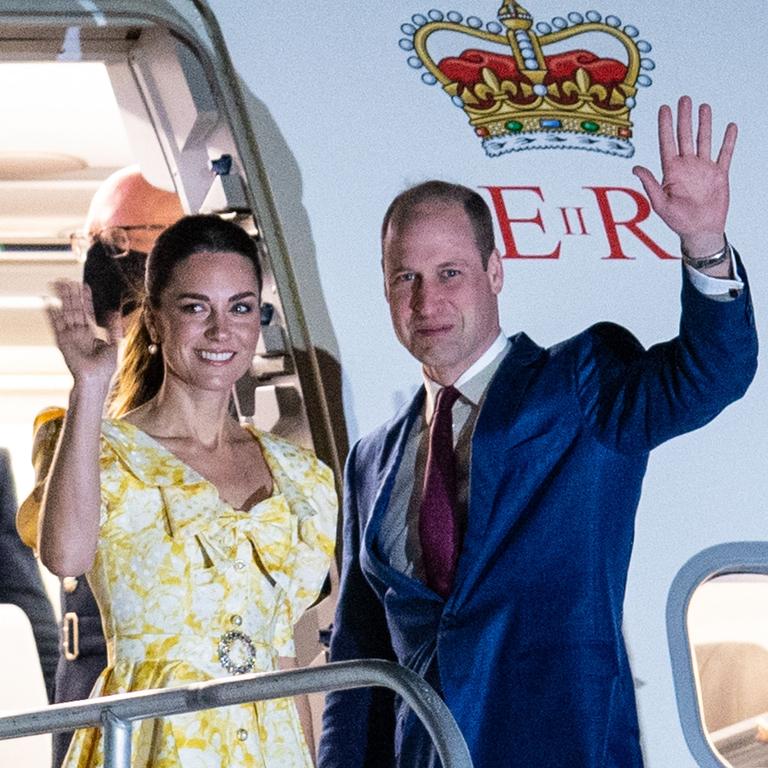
(532, 99)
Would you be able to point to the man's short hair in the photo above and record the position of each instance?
(403, 209)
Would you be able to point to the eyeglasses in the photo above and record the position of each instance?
(117, 240)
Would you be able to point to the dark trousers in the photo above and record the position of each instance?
(83, 652)
(20, 580)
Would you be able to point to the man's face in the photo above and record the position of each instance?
(442, 302)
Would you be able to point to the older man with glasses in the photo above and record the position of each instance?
(124, 219)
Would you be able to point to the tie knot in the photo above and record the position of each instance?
(446, 397)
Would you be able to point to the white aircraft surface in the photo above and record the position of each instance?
(302, 121)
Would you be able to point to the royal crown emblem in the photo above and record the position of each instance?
(544, 95)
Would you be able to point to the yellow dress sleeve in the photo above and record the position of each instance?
(309, 490)
(46, 430)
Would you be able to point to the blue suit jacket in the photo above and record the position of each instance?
(527, 650)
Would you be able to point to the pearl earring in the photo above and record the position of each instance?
(152, 348)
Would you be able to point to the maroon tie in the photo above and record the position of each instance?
(438, 527)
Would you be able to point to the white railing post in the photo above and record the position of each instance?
(117, 740)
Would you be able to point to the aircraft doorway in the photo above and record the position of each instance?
(96, 91)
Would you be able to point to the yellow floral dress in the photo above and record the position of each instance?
(191, 589)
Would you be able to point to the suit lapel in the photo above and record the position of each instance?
(374, 560)
(498, 413)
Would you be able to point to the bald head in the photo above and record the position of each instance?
(127, 199)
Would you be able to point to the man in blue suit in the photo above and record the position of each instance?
(511, 605)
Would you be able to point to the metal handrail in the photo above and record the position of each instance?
(115, 714)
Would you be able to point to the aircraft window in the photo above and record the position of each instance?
(718, 633)
(728, 631)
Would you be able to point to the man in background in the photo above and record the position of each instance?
(124, 219)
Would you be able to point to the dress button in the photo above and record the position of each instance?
(239, 565)
(242, 734)
(237, 620)
(70, 584)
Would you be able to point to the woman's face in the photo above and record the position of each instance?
(208, 320)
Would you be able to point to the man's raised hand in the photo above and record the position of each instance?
(692, 198)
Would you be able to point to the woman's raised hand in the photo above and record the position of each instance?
(91, 359)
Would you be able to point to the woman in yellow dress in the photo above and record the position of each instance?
(203, 541)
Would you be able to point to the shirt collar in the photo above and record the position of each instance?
(473, 382)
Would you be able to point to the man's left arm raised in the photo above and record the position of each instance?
(693, 196)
